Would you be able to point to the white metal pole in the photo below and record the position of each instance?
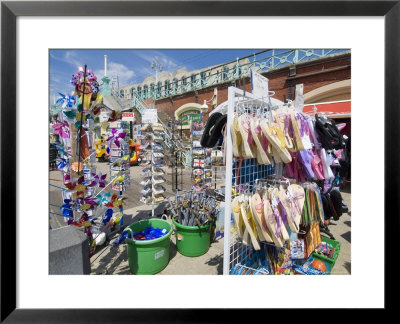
(228, 181)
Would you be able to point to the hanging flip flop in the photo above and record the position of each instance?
(317, 166)
(291, 213)
(275, 155)
(271, 222)
(261, 141)
(247, 142)
(280, 117)
(250, 224)
(274, 200)
(296, 197)
(301, 131)
(258, 213)
(305, 157)
(236, 137)
(236, 211)
(276, 138)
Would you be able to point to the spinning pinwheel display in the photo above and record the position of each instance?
(85, 204)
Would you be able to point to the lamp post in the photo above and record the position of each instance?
(158, 67)
(203, 109)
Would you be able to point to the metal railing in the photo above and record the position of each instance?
(139, 105)
(261, 62)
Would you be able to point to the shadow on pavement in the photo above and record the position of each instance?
(110, 261)
(172, 250)
(217, 260)
(347, 236)
(348, 223)
(347, 266)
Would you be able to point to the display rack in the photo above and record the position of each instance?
(240, 176)
(116, 154)
(176, 153)
(153, 164)
(201, 159)
(218, 167)
(120, 174)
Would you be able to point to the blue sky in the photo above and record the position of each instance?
(131, 66)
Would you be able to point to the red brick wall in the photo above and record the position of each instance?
(312, 74)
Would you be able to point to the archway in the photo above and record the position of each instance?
(336, 91)
(187, 112)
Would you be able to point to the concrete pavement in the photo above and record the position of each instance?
(114, 259)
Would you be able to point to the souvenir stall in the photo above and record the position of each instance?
(86, 205)
(278, 188)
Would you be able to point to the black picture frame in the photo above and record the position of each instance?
(10, 10)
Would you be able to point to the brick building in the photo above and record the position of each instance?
(325, 78)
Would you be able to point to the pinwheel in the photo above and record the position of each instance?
(85, 204)
(62, 164)
(115, 137)
(103, 199)
(119, 202)
(77, 186)
(119, 179)
(75, 78)
(107, 216)
(115, 201)
(66, 101)
(95, 87)
(60, 149)
(90, 75)
(99, 179)
(90, 201)
(67, 209)
(62, 129)
(72, 222)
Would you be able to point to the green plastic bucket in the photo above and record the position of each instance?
(192, 241)
(331, 244)
(149, 257)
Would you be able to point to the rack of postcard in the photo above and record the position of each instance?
(201, 159)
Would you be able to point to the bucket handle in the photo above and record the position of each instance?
(128, 229)
(169, 220)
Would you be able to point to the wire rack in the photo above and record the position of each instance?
(240, 175)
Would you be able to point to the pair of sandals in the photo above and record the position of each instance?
(265, 219)
(280, 133)
(309, 164)
(213, 130)
(251, 139)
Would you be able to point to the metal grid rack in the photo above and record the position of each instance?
(241, 175)
(217, 168)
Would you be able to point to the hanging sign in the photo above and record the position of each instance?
(128, 116)
(149, 116)
(259, 84)
(190, 115)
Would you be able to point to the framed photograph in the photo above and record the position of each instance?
(30, 28)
